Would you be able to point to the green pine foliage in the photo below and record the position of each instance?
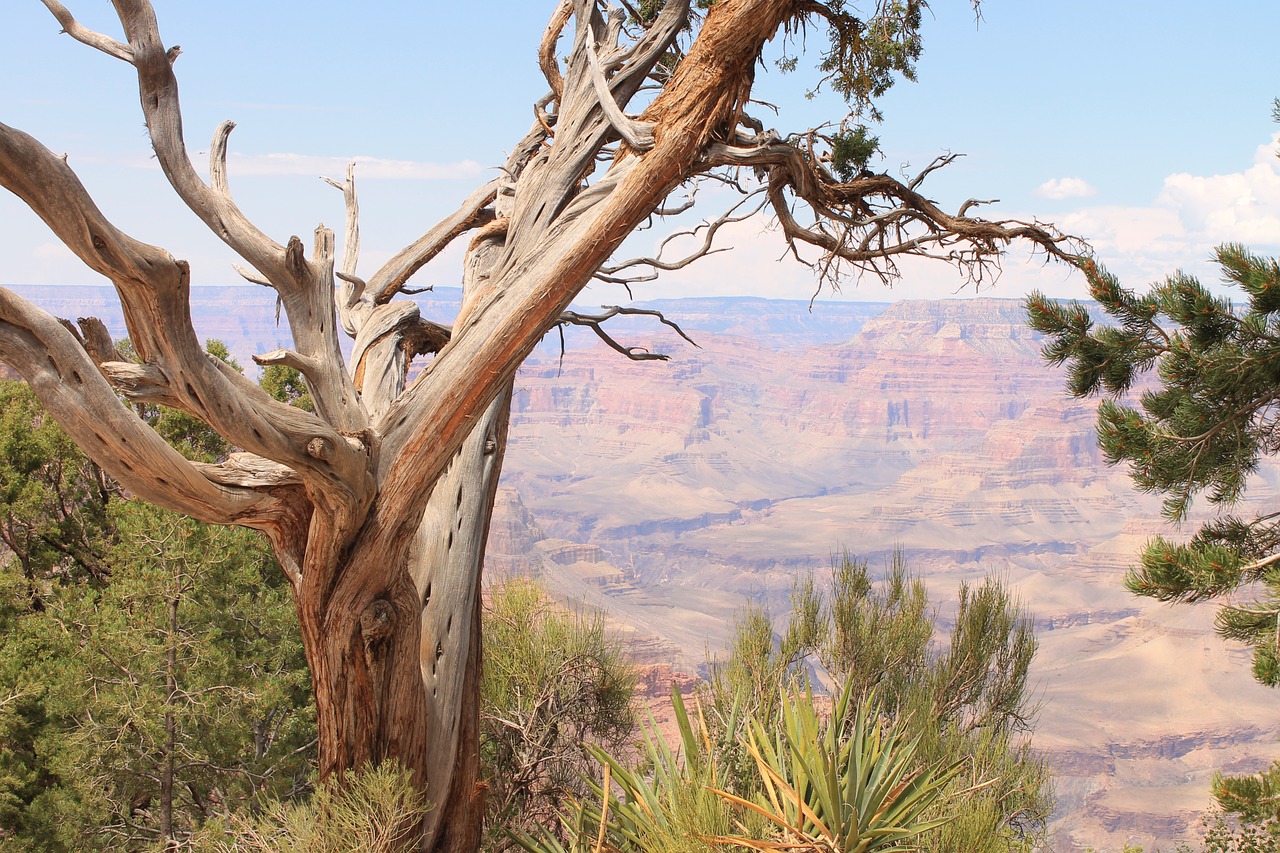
(151, 676)
(53, 500)
(287, 385)
(851, 151)
(1202, 425)
(866, 53)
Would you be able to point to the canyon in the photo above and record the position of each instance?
(670, 494)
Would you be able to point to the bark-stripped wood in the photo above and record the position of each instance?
(379, 504)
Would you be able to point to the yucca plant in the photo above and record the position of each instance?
(667, 802)
(848, 786)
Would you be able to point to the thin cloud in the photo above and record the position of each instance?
(366, 167)
(1180, 227)
(1063, 188)
(296, 108)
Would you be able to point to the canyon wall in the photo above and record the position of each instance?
(671, 493)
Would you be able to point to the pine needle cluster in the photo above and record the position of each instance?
(1202, 425)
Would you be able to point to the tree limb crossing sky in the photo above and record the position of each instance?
(1143, 126)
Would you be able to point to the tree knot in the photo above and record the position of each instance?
(377, 620)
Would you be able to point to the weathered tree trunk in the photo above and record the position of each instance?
(396, 669)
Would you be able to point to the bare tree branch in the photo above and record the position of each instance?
(305, 287)
(660, 37)
(351, 241)
(637, 135)
(84, 35)
(609, 272)
(547, 49)
(287, 358)
(70, 386)
(393, 332)
(595, 323)
(390, 279)
(874, 219)
(153, 288)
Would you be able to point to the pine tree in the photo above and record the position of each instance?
(1202, 427)
(1206, 372)
(151, 675)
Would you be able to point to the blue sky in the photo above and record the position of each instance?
(1143, 126)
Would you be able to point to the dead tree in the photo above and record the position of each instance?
(378, 504)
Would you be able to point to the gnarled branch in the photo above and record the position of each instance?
(872, 220)
(305, 286)
(609, 272)
(547, 49)
(153, 288)
(84, 35)
(472, 213)
(70, 386)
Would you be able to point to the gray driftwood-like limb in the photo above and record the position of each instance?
(287, 358)
(547, 49)
(351, 241)
(387, 334)
(84, 35)
(153, 291)
(97, 340)
(71, 387)
(305, 286)
(388, 280)
(637, 135)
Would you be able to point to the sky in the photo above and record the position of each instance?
(1143, 126)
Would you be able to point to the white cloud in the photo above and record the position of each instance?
(366, 167)
(1242, 207)
(51, 252)
(1180, 227)
(310, 165)
(1063, 188)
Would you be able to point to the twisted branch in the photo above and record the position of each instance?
(609, 272)
(872, 220)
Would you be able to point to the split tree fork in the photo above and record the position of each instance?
(378, 504)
